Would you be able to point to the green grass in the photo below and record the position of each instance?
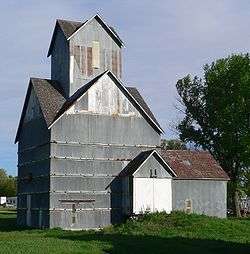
(155, 233)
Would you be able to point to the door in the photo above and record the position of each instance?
(152, 194)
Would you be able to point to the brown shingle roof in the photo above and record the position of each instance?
(69, 27)
(137, 96)
(50, 96)
(193, 164)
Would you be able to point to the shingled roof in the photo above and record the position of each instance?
(193, 164)
(50, 97)
(69, 27)
(137, 96)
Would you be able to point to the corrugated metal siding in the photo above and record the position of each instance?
(33, 159)
(207, 196)
(89, 169)
(60, 63)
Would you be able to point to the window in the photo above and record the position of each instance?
(96, 54)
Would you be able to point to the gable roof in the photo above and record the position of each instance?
(137, 101)
(50, 97)
(194, 164)
(69, 28)
(53, 102)
(140, 159)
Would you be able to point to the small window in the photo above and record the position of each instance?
(188, 206)
(96, 54)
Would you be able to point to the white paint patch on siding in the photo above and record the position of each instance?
(104, 98)
(151, 195)
(71, 75)
(96, 54)
(33, 109)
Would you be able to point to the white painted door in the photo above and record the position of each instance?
(143, 195)
(152, 194)
(162, 195)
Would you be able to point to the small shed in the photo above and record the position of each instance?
(147, 184)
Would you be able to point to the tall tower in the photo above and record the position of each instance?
(80, 51)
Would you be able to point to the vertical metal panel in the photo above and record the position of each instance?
(77, 55)
(114, 62)
(96, 54)
(89, 61)
(83, 60)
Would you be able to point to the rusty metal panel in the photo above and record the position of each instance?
(77, 55)
(89, 61)
(114, 62)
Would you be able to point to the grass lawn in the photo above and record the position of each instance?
(156, 233)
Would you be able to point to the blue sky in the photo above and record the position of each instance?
(165, 40)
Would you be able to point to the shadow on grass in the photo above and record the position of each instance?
(8, 221)
(154, 244)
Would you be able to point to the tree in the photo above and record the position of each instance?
(7, 184)
(217, 115)
(173, 144)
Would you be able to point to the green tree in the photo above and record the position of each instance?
(217, 115)
(173, 144)
(7, 184)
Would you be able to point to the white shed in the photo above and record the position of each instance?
(147, 184)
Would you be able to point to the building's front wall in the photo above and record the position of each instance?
(207, 197)
(89, 149)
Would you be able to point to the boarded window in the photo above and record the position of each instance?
(96, 54)
(77, 54)
(114, 62)
(188, 206)
(83, 60)
(89, 61)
